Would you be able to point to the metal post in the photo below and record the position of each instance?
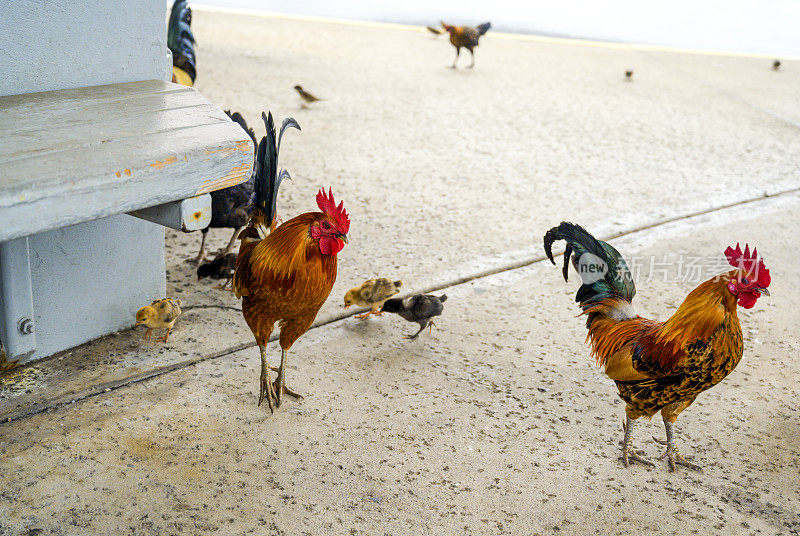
(16, 300)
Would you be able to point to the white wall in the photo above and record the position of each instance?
(763, 26)
(57, 44)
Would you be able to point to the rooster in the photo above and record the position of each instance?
(467, 37)
(180, 41)
(659, 366)
(285, 274)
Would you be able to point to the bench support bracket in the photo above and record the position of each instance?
(16, 300)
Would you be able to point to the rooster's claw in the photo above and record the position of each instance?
(633, 455)
(674, 456)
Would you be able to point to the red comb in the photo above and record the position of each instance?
(750, 263)
(327, 204)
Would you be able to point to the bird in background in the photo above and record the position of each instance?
(161, 314)
(230, 206)
(372, 293)
(223, 267)
(659, 366)
(776, 65)
(180, 42)
(466, 37)
(307, 97)
(629, 76)
(285, 273)
(420, 308)
(434, 31)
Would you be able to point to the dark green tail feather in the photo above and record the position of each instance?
(180, 39)
(617, 281)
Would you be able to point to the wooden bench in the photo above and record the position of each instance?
(77, 155)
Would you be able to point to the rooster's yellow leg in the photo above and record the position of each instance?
(629, 454)
(458, 51)
(280, 382)
(672, 453)
(266, 389)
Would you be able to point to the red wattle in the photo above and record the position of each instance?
(748, 299)
(330, 245)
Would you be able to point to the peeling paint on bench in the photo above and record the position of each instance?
(77, 155)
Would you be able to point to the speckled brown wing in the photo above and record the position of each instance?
(704, 363)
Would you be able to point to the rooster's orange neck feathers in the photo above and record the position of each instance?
(700, 314)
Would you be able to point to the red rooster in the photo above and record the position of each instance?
(285, 274)
(660, 366)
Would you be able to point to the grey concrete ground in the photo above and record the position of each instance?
(498, 422)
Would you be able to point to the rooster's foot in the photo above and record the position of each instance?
(630, 455)
(280, 390)
(674, 456)
(266, 391)
(362, 315)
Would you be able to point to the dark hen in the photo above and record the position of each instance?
(229, 206)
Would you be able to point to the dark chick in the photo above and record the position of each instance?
(466, 37)
(420, 308)
(222, 267)
(229, 206)
(776, 65)
(305, 95)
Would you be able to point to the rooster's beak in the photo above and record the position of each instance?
(762, 291)
(344, 238)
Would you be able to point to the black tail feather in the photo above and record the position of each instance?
(615, 281)
(483, 28)
(237, 117)
(267, 178)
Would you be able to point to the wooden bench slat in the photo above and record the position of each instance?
(81, 154)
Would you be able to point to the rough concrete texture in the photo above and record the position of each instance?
(498, 422)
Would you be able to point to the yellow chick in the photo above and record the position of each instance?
(160, 314)
(372, 294)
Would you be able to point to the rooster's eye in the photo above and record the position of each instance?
(745, 281)
(326, 225)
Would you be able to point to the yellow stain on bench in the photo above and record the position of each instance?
(243, 146)
(160, 165)
(234, 176)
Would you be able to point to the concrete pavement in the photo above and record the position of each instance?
(497, 423)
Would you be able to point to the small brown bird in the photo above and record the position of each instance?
(435, 31)
(776, 65)
(222, 267)
(372, 293)
(629, 76)
(467, 37)
(307, 97)
(158, 315)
